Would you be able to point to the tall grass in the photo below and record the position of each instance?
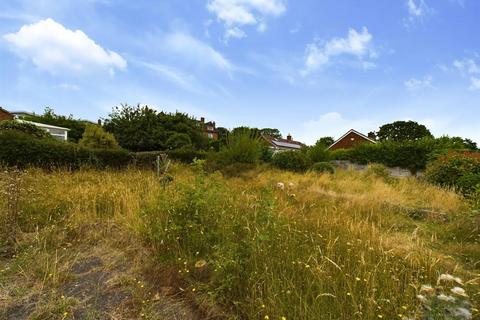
(343, 246)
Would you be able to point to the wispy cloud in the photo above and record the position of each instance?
(53, 48)
(469, 67)
(359, 45)
(417, 11)
(235, 14)
(415, 84)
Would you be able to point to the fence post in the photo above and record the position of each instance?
(158, 166)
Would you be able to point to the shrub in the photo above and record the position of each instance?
(186, 154)
(243, 146)
(323, 167)
(96, 138)
(146, 159)
(178, 140)
(318, 153)
(24, 127)
(20, 149)
(340, 154)
(291, 160)
(457, 170)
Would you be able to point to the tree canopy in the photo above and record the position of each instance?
(325, 141)
(141, 128)
(403, 131)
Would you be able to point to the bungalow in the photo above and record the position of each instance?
(58, 133)
(351, 139)
(279, 144)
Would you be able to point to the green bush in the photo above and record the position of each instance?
(24, 127)
(178, 140)
(323, 167)
(146, 159)
(96, 137)
(22, 150)
(243, 146)
(186, 154)
(378, 170)
(291, 160)
(340, 154)
(318, 153)
(457, 170)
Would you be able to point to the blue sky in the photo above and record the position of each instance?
(311, 68)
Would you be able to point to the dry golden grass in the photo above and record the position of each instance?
(343, 246)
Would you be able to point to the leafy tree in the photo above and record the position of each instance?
(178, 140)
(318, 153)
(96, 137)
(325, 141)
(141, 128)
(271, 132)
(76, 126)
(403, 131)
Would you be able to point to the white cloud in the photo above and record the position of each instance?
(414, 84)
(335, 125)
(475, 83)
(56, 49)
(234, 33)
(356, 44)
(237, 13)
(467, 65)
(417, 10)
(195, 51)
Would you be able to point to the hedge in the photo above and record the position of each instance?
(291, 160)
(22, 150)
(412, 155)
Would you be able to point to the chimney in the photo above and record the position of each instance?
(372, 136)
(289, 137)
(202, 120)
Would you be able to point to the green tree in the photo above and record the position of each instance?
(271, 132)
(96, 137)
(76, 126)
(403, 131)
(141, 128)
(325, 141)
(178, 140)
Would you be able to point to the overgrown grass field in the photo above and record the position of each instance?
(318, 246)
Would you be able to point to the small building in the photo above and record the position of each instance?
(5, 115)
(209, 129)
(279, 144)
(58, 133)
(351, 139)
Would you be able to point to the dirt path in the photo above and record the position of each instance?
(97, 282)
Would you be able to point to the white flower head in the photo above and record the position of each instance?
(426, 289)
(422, 298)
(459, 291)
(463, 313)
(445, 298)
(281, 185)
(449, 278)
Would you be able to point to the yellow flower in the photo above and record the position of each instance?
(284, 318)
(357, 278)
(266, 317)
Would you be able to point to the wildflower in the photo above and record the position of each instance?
(445, 298)
(380, 316)
(200, 264)
(449, 278)
(427, 288)
(193, 289)
(462, 312)
(422, 298)
(357, 278)
(263, 306)
(266, 317)
(281, 185)
(459, 291)
(283, 318)
(291, 185)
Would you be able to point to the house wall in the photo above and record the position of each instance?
(349, 141)
(5, 115)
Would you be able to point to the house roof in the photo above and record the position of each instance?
(352, 131)
(283, 143)
(23, 113)
(6, 111)
(43, 125)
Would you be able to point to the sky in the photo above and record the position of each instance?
(311, 68)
